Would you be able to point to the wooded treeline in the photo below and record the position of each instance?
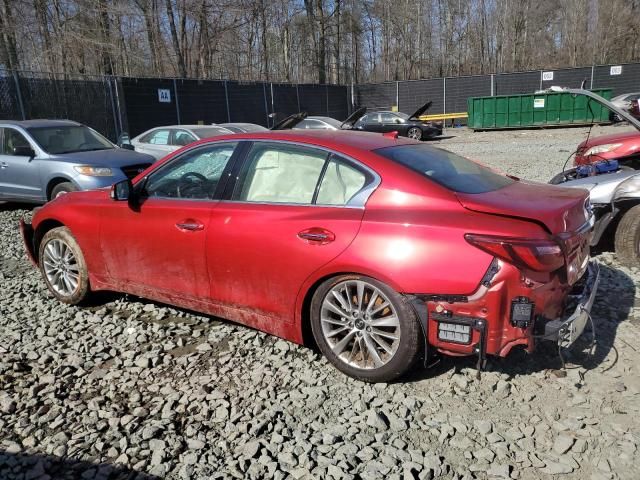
(324, 41)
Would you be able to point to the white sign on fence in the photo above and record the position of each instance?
(615, 70)
(547, 76)
(538, 103)
(164, 95)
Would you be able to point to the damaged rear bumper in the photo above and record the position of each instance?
(565, 331)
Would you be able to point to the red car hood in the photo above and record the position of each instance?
(558, 209)
(612, 138)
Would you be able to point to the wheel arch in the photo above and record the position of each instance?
(40, 231)
(55, 181)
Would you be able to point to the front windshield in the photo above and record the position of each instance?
(69, 139)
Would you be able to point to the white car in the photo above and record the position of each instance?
(160, 141)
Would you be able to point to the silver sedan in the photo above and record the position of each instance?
(160, 141)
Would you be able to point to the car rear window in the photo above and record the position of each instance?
(446, 168)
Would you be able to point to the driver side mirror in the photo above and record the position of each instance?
(122, 190)
(24, 151)
(398, 120)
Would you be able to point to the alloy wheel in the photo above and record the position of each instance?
(61, 267)
(414, 133)
(360, 324)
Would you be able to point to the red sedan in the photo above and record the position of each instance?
(379, 249)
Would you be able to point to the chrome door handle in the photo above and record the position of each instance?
(190, 226)
(317, 235)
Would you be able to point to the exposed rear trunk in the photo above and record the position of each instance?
(561, 211)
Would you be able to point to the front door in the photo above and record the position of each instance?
(19, 174)
(157, 248)
(292, 211)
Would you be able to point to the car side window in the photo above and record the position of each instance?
(340, 183)
(159, 137)
(193, 175)
(280, 173)
(371, 118)
(13, 139)
(182, 138)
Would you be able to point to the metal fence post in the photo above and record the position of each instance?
(175, 94)
(492, 86)
(113, 106)
(444, 100)
(591, 84)
(397, 95)
(19, 94)
(273, 107)
(541, 79)
(266, 103)
(226, 97)
(326, 90)
(298, 97)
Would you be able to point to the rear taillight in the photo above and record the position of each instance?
(530, 254)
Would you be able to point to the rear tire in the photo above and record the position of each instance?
(364, 328)
(61, 189)
(63, 266)
(627, 241)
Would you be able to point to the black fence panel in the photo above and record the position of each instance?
(415, 93)
(337, 101)
(9, 100)
(516, 83)
(313, 99)
(144, 108)
(568, 77)
(285, 99)
(87, 100)
(458, 89)
(625, 79)
(248, 102)
(376, 95)
(201, 101)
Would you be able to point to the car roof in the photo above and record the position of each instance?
(38, 123)
(318, 117)
(331, 139)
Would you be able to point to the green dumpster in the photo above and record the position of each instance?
(536, 110)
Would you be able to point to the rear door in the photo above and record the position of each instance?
(390, 123)
(19, 174)
(292, 210)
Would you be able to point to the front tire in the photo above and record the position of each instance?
(364, 328)
(627, 241)
(63, 266)
(415, 133)
(61, 189)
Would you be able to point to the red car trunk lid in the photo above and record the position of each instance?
(562, 211)
(558, 209)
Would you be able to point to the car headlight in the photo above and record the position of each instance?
(629, 188)
(93, 171)
(607, 147)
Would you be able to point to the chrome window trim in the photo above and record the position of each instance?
(359, 200)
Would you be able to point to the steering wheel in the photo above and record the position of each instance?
(190, 183)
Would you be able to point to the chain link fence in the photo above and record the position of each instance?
(449, 94)
(113, 105)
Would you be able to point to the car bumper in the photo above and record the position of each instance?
(26, 230)
(565, 331)
(488, 320)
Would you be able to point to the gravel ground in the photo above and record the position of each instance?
(132, 389)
